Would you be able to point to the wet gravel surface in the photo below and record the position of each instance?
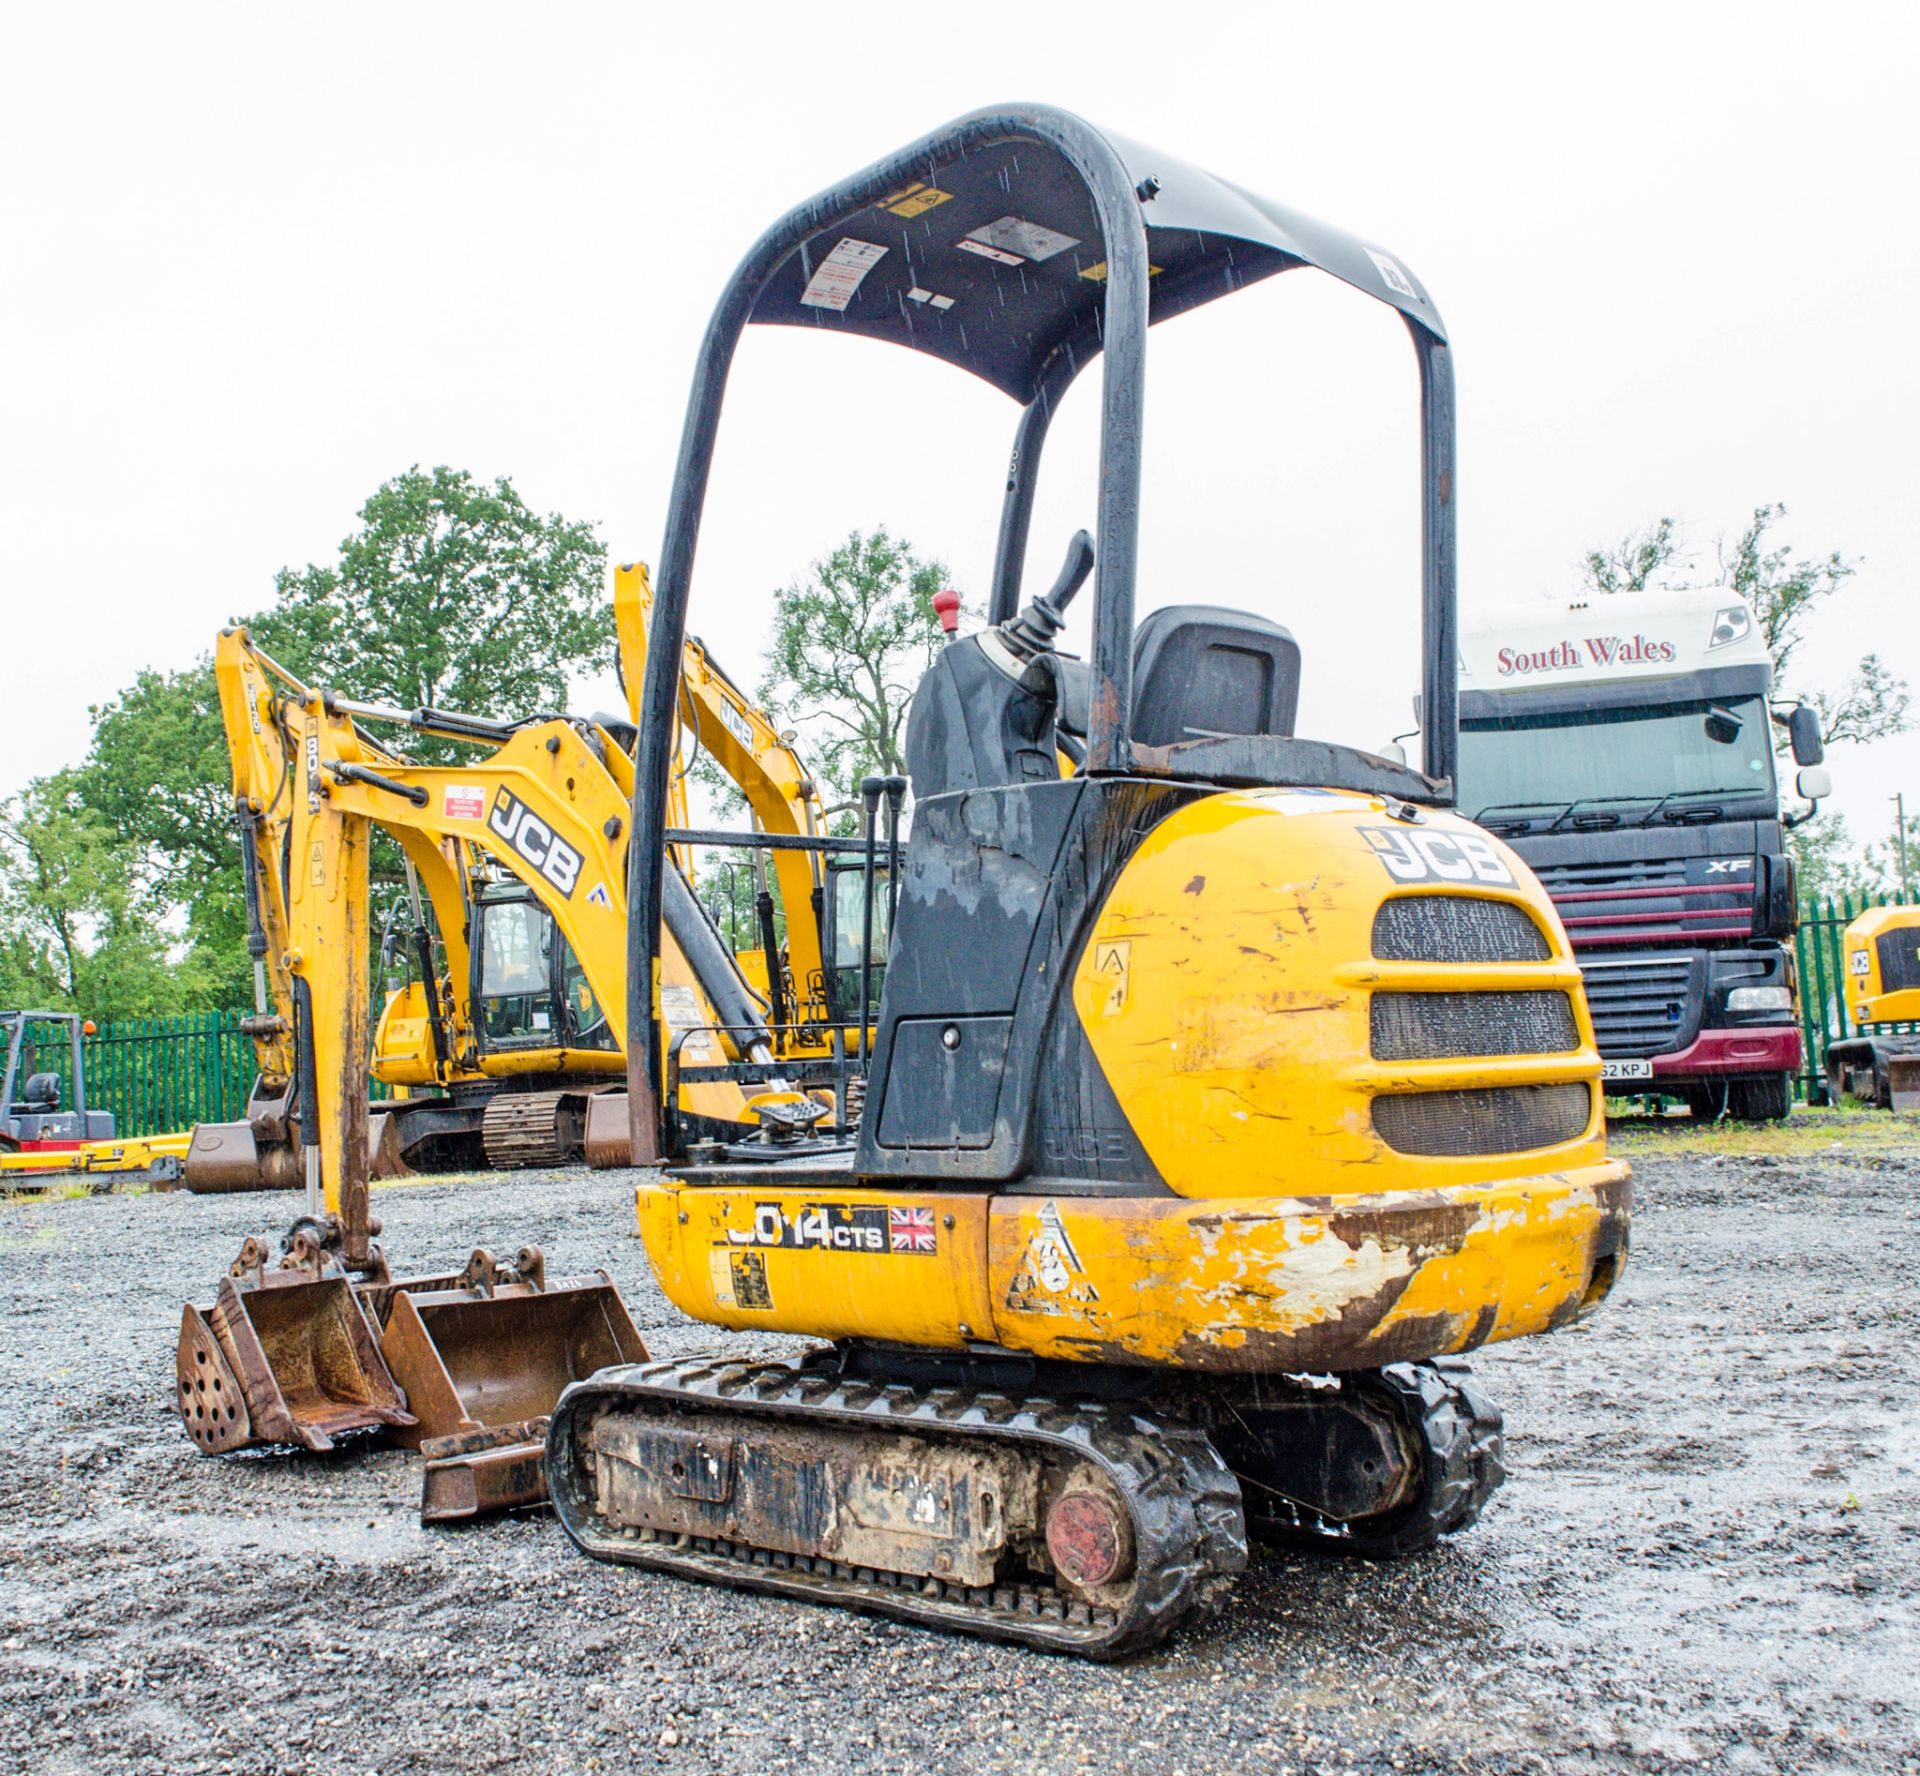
(1707, 1556)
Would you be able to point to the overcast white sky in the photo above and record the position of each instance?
(257, 259)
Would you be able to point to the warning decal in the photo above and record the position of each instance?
(916, 294)
(840, 274)
(464, 803)
(1112, 961)
(913, 200)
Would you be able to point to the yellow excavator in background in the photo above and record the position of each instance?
(522, 857)
(1881, 1063)
(509, 1032)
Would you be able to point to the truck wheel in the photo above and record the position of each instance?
(1767, 1097)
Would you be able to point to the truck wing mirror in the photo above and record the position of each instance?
(1803, 734)
(1814, 783)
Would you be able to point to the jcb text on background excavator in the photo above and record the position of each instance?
(1226, 1086)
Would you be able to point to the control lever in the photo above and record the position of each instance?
(1033, 630)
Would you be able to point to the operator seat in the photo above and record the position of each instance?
(1201, 672)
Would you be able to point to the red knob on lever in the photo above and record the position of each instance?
(946, 606)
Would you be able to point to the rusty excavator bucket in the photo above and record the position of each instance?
(262, 1151)
(283, 1356)
(482, 1364)
(464, 1367)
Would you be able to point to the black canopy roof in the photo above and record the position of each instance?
(992, 258)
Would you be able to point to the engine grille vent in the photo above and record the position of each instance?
(1435, 1026)
(1899, 952)
(1497, 1119)
(1455, 928)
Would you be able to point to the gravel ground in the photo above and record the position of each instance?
(1707, 1556)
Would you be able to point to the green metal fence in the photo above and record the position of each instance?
(1823, 1000)
(161, 1074)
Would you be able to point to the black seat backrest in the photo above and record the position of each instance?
(1200, 671)
(41, 1093)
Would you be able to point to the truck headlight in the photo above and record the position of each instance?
(1760, 999)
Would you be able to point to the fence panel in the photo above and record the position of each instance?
(162, 1074)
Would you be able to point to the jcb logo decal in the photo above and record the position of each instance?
(1437, 856)
(535, 840)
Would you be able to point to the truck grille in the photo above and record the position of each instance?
(1642, 1005)
(1455, 928)
(1433, 1026)
(1644, 900)
(1494, 1119)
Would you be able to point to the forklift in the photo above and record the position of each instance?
(1227, 1086)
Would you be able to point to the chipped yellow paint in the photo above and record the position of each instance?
(1240, 1049)
(1274, 1284)
(1287, 1284)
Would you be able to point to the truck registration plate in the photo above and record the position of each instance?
(1626, 1069)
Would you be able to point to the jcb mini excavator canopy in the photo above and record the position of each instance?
(1020, 243)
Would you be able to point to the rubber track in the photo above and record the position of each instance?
(1189, 1534)
(521, 1129)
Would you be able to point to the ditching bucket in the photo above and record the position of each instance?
(483, 1364)
(282, 1356)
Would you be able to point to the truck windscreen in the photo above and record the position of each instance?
(1670, 757)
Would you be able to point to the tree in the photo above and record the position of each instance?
(453, 594)
(157, 772)
(80, 926)
(849, 645)
(1783, 592)
(1825, 859)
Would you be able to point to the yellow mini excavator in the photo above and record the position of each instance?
(1880, 1061)
(1227, 1086)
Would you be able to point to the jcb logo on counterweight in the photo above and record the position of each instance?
(1437, 856)
(535, 840)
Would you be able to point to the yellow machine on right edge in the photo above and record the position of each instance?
(1882, 1062)
(1225, 1085)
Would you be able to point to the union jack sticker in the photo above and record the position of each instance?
(910, 1230)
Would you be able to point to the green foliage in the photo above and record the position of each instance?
(120, 884)
(1630, 565)
(453, 594)
(1783, 591)
(849, 645)
(1824, 857)
(1880, 864)
(80, 925)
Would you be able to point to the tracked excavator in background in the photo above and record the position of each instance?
(1878, 1060)
(1227, 1086)
(505, 1041)
(522, 857)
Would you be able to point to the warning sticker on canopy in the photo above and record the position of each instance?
(1011, 240)
(839, 275)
